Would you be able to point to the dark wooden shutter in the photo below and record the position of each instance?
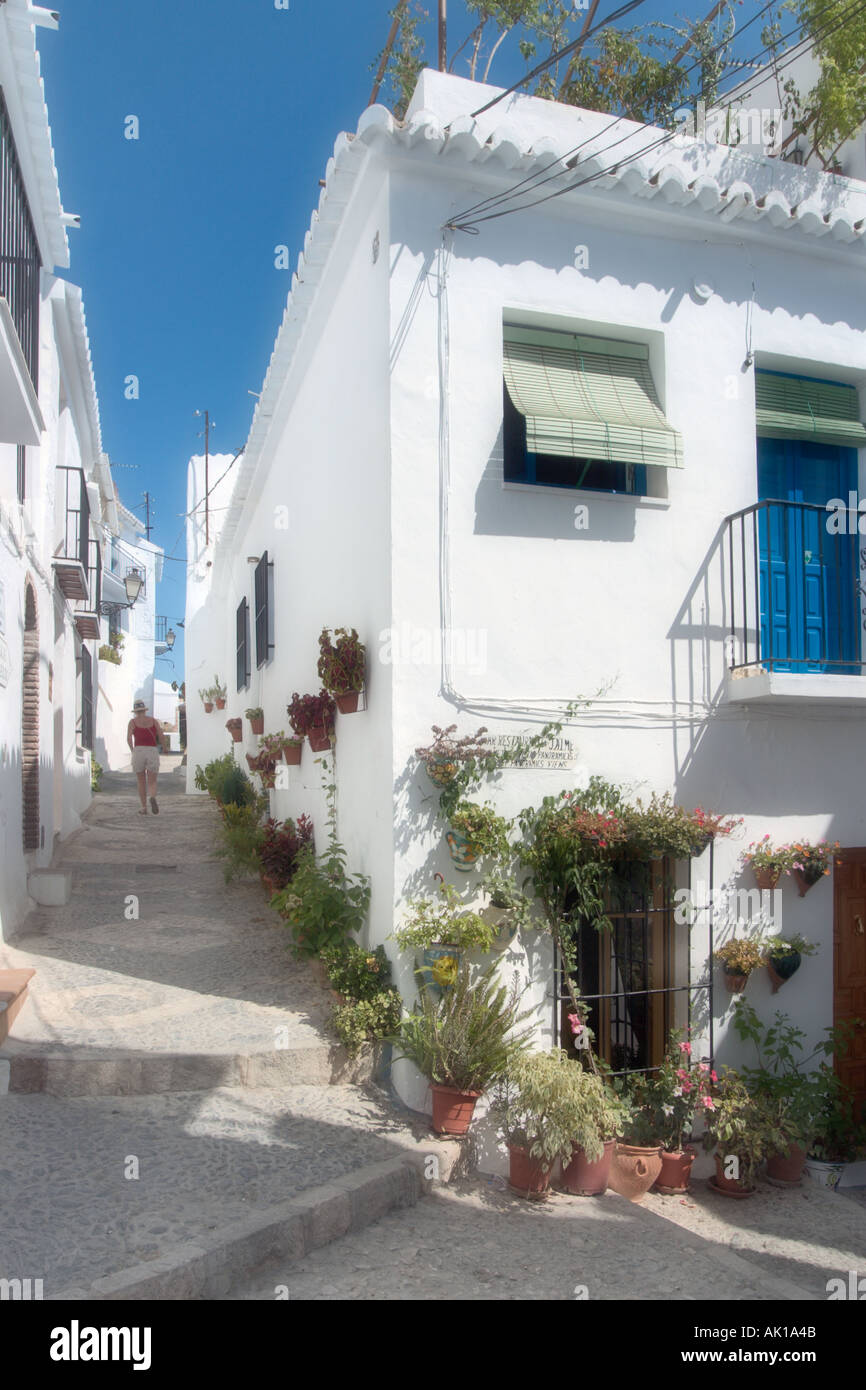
(263, 617)
(243, 644)
(86, 699)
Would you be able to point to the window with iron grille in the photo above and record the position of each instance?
(19, 249)
(86, 699)
(635, 976)
(243, 644)
(264, 645)
(22, 473)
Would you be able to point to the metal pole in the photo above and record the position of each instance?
(443, 27)
(386, 52)
(206, 477)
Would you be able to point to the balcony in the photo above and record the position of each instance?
(795, 597)
(87, 610)
(72, 560)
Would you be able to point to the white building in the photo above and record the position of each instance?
(681, 339)
(57, 497)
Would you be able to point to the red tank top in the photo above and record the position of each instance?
(144, 736)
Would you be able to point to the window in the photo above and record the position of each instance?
(582, 412)
(243, 644)
(264, 645)
(19, 249)
(22, 472)
(86, 699)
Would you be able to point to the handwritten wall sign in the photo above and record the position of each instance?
(555, 752)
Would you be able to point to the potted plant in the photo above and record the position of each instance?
(312, 717)
(476, 831)
(442, 930)
(324, 904)
(739, 956)
(241, 838)
(767, 862)
(637, 1158)
(782, 956)
(508, 910)
(534, 1106)
(281, 745)
(462, 1042)
(206, 696)
(680, 1090)
(446, 756)
(597, 1117)
(810, 863)
(256, 716)
(342, 666)
(839, 1134)
(743, 1126)
(280, 848)
(236, 729)
(219, 693)
(368, 1007)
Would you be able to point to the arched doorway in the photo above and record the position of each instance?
(30, 721)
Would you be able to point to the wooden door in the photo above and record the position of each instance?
(849, 963)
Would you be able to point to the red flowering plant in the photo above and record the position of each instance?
(679, 1091)
(711, 825)
(281, 844)
(308, 712)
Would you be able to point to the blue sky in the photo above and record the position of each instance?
(239, 105)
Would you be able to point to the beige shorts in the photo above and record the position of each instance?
(145, 760)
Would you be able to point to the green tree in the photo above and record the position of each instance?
(835, 108)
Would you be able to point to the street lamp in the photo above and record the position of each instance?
(132, 584)
(170, 638)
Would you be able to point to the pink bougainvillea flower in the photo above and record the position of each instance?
(576, 1025)
(686, 1047)
(708, 1103)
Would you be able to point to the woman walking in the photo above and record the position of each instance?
(144, 737)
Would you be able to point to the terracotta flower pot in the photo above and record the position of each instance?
(452, 1109)
(320, 740)
(257, 726)
(787, 1168)
(292, 753)
(583, 1177)
(735, 983)
(781, 968)
(766, 878)
(221, 704)
(526, 1174)
(347, 703)
(269, 884)
(236, 732)
(208, 706)
(252, 762)
(676, 1171)
(729, 1187)
(634, 1169)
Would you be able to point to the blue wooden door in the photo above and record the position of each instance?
(808, 576)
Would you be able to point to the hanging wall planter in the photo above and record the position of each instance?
(439, 968)
(236, 729)
(347, 701)
(320, 740)
(256, 717)
(292, 751)
(342, 666)
(735, 983)
(781, 968)
(463, 853)
(803, 883)
(766, 879)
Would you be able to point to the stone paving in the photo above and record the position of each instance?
(477, 1240)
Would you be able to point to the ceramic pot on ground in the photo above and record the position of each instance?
(584, 1177)
(729, 1187)
(526, 1174)
(676, 1171)
(781, 968)
(320, 740)
(787, 1168)
(766, 878)
(735, 983)
(292, 753)
(257, 726)
(347, 703)
(824, 1174)
(634, 1169)
(452, 1109)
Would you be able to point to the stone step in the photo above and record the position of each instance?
(13, 994)
(180, 1196)
(76, 1072)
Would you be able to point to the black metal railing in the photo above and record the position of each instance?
(94, 579)
(794, 588)
(20, 260)
(160, 628)
(76, 533)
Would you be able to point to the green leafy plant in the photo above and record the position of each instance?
(255, 712)
(323, 905)
(96, 771)
(764, 855)
(224, 781)
(241, 835)
(280, 847)
(812, 861)
(740, 956)
(778, 946)
(466, 1038)
(679, 1091)
(542, 1102)
(342, 663)
(745, 1125)
(443, 922)
(486, 831)
(360, 1021)
(108, 653)
(312, 712)
(356, 971)
(218, 690)
(506, 894)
